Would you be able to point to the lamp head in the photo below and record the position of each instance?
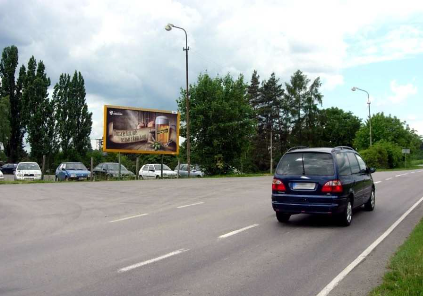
(354, 88)
(168, 27)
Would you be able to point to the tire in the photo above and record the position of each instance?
(346, 217)
(66, 179)
(371, 203)
(55, 179)
(157, 177)
(282, 217)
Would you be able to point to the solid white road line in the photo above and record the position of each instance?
(238, 231)
(388, 179)
(326, 290)
(194, 204)
(127, 218)
(128, 268)
(377, 182)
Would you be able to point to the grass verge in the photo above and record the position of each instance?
(405, 275)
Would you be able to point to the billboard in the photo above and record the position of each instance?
(136, 130)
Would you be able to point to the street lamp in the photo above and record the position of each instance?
(168, 28)
(368, 103)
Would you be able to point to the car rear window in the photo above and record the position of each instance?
(308, 163)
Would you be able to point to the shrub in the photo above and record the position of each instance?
(376, 156)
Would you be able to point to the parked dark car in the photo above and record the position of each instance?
(109, 170)
(322, 181)
(9, 168)
(72, 171)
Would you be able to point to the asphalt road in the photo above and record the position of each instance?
(184, 237)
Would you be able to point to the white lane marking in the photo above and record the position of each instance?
(326, 290)
(405, 174)
(412, 172)
(194, 204)
(388, 179)
(127, 218)
(238, 231)
(130, 267)
(398, 175)
(377, 182)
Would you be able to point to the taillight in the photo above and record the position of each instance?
(334, 186)
(277, 185)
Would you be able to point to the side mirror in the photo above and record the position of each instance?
(372, 170)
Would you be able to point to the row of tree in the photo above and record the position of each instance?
(248, 127)
(61, 123)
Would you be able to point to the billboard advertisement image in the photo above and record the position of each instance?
(136, 130)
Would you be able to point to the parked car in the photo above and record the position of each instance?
(195, 171)
(28, 171)
(1, 176)
(72, 171)
(110, 170)
(8, 168)
(153, 171)
(322, 181)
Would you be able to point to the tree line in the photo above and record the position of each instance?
(51, 126)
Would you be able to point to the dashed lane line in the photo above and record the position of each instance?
(137, 265)
(127, 218)
(238, 231)
(388, 179)
(194, 204)
(377, 182)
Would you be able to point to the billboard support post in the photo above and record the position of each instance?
(161, 168)
(92, 173)
(119, 166)
(179, 164)
(136, 168)
(44, 167)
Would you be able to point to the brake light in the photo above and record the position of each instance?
(334, 186)
(277, 185)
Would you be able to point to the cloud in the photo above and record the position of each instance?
(401, 92)
(127, 58)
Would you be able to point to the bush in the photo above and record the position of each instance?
(394, 153)
(376, 157)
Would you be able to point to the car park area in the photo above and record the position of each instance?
(219, 237)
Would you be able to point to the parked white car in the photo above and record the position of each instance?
(153, 171)
(1, 176)
(28, 171)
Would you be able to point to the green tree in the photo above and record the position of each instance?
(38, 111)
(387, 128)
(221, 122)
(302, 100)
(4, 122)
(74, 121)
(338, 127)
(12, 88)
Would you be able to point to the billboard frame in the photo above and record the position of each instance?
(105, 149)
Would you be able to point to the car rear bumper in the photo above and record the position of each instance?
(308, 205)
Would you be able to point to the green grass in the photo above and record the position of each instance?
(405, 275)
(417, 162)
(24, 182)
(412, 167)
(239, 175)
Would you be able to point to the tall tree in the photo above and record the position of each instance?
(12, 88)
(74, 121)
(304, 100)
(4, 122)
(38, 111)
(338, 127)
(221, 122)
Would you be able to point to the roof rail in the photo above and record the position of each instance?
(344, 147)
(297, 147)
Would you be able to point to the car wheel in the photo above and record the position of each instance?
(157, 177)
(346, 217)
(66, 179)
(371, 203)
(282, 217)
(55, 179)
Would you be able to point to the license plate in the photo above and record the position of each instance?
(82, 178)
(303, 186)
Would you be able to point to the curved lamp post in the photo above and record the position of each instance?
(368, 103)
(168, 28)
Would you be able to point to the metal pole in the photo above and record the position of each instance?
(119, 166)
(92, 165)
(271, 152)
(179, 164)
(136, 168)
(44, 167)
(187, 102)
(370, 119)
(161, 168)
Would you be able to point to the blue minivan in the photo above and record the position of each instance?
(322, 181)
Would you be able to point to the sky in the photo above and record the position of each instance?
(127, 57)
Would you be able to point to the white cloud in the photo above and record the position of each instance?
(330, 82)
(401, 92)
